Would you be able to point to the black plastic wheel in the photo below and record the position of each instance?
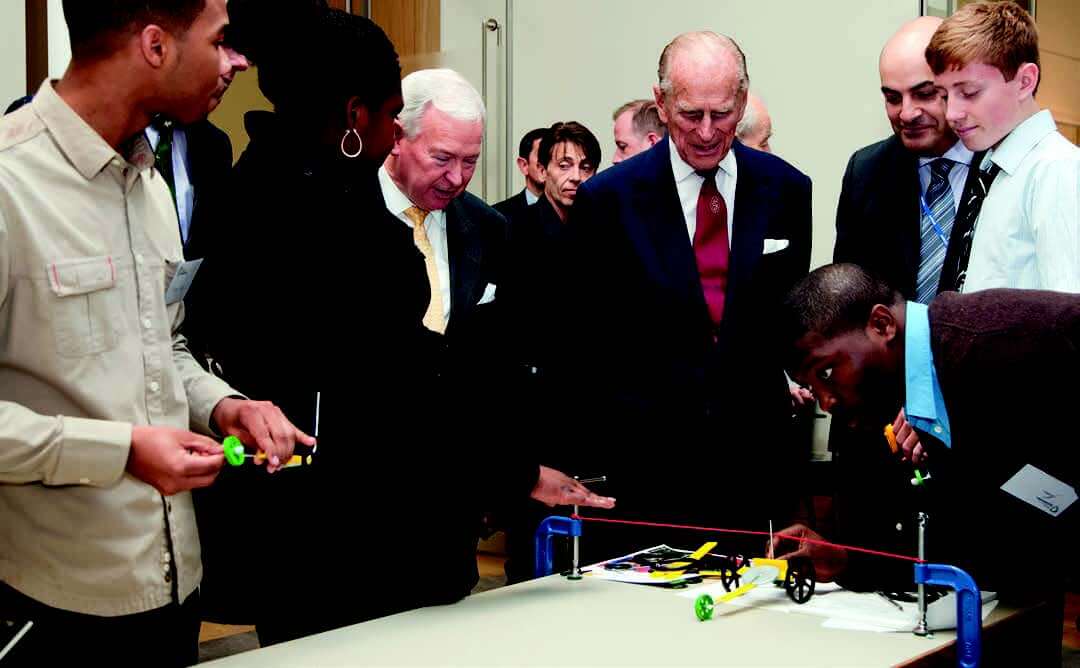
(729, 575)
(801, 579)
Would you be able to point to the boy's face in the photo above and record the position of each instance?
(982, 107)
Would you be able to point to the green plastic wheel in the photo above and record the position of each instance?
(703, 607)
(234, 450)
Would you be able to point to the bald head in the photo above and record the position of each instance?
(755, 128)
(705, 49)
(700, 95)
(911, 39)
(915, 107)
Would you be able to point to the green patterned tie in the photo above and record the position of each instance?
(163, 155)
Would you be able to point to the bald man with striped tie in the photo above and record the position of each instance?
(904, 204)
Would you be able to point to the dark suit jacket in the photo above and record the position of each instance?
(1007, 361)
(529, 294)
(293, 309)
(513, 206)
(677, 402)
(210, 159)
(877, 219)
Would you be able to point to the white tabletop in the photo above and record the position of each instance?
(556, 622)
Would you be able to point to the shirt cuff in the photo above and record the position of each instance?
(93, 452)
(204, 395)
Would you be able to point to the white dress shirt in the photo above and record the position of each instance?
(1028, 232)
(961, 156)
(688, 183)
(434, 224)
(185, 192)
(530, 198)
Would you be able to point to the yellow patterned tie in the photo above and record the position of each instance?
(434, 318)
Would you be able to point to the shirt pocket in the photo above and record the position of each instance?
(86, 305)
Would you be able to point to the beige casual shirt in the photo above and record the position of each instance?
(88, 347)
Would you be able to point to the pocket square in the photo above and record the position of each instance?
(775, 246)
(489, 295)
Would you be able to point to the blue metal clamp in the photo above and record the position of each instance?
(968, 608)
(556, 525)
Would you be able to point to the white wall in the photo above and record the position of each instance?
(59, 45)
(814, 63)
(12, 51)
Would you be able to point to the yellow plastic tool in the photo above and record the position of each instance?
(702, 551)
(295, 460)
(891, 438)
(737, 592)
(779, 564)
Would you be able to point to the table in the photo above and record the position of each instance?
(556, 622)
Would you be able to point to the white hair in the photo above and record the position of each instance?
(444, 89)
(748, 123)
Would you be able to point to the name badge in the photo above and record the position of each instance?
(181, 281)
(1040, 489)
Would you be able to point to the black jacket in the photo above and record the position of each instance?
(311, 286)
(513, 206)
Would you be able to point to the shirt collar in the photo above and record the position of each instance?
(530, 198)
(81, 144)
(397, 202)
(1015, 147)
(682, 170)
(924, 404)
(958, 153)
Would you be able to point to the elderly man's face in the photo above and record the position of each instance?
(703, 107)
(437, 164)
(627, 142)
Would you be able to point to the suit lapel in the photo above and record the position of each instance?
(662, 235)
(901, 205)
(748, 224)
(463, 249)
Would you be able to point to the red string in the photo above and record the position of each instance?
(746, 532)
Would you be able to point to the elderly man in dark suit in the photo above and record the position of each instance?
(681, 254)
(455, 420)
(973, 375)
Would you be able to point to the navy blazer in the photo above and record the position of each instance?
(641, 348)
(631, 238)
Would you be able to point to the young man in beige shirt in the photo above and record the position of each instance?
(98, 392)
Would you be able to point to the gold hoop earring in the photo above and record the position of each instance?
(359, 142)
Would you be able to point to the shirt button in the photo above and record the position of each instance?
(147, 323)
(154, 386)
(138, 257)
(168, 576)
(938, 429)
(899, 526)
(168, 506)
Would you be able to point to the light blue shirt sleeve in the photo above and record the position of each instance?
(924, 403)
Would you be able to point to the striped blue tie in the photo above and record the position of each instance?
(939, 200)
